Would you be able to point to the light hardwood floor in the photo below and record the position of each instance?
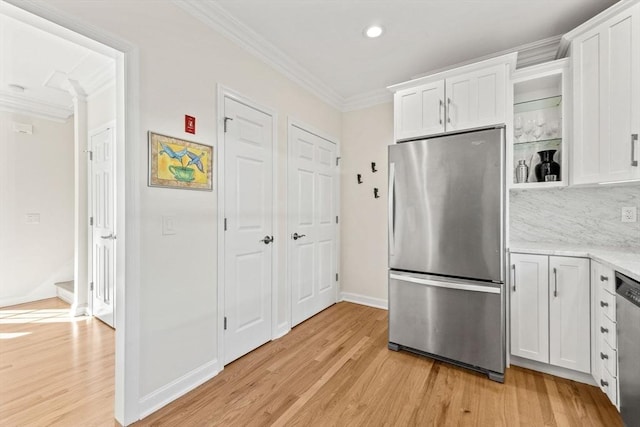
(55, 370)
(334, 369)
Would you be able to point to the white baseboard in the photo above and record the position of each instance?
(364, 300)
(6, 302)
(65, 295)
(282, 330)
(553, 370)
(79, 310)
(170, 392)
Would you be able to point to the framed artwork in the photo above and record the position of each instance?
(176, 163)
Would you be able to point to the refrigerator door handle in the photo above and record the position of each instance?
(448, 285)
(392, 208)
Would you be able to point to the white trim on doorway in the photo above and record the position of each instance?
(225, 92)
(129, 157)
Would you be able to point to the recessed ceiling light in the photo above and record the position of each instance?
(16, 88)
(373, 31)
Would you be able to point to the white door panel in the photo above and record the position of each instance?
(103, 212)
(312, 213)
(249, 218)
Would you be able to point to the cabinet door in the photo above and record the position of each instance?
(530, 306)
(476, 99)
(419, 111)
(606, 74)
(569, 317)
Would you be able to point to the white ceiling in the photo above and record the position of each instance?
(323, 38)
(42, 62)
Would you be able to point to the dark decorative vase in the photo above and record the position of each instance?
(547, 166)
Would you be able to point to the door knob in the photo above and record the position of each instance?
(109, 237)
(267, 240)
(297, 236)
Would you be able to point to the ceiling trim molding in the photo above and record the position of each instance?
(24, 105)
(226, 24)
(367, 99)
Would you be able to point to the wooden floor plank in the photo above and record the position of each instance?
(332, 370)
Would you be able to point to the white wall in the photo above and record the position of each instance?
(36, 177)
(101, 107)
(181, 62)
(366, 135)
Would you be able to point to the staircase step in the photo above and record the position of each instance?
(65, 291)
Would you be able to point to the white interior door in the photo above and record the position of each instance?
(248, 205)
(102, 197)
(312, 223)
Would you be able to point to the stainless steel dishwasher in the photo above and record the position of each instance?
(628, 328)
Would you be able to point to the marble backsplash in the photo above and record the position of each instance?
(583, 216)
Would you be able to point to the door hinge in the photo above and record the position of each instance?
(226, 119)
(90, 220)
(336, 277)
(225, 323)
(338, 160)
(336, 219)
(225, 224)
(91, 286)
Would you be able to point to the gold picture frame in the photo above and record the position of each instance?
(177, 163)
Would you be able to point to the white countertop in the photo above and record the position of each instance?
(625, 261)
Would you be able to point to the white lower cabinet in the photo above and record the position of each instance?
(605, 349)
(550, 310)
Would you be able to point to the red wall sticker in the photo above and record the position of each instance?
(189, 124)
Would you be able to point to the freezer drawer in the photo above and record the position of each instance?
(461, 321)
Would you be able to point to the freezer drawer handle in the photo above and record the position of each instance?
(447, 285)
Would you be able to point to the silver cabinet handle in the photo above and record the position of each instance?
(604, 330)
(109, 237)
(604, 304)
(513, 267)
(266, 240)
(604, 383)
(634, 140)
(604, 278)
(440, 106)
(448, 110)
(297, 236)
(555, 281)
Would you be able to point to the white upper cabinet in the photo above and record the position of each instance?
(420, 110)
(463, 98)
(606, 78)
(476, 99)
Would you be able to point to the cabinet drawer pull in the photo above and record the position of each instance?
(440, 106)
(555, 282)
(513, 267)
(448, 110)
(634, 140)
(604, 304)
(603, 356)
(604, 278)
(604, 383)
(604, 330)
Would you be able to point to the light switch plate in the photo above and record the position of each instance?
(629, 214)
(33, 218)
(168, 225)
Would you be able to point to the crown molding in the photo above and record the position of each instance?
(367, 99)
(226, 24)
(538, 52)
(21, 104)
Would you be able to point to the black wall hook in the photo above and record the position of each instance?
(359, 178)
(375, 193)
(373, 167)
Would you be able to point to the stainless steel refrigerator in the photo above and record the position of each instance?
(446, 249)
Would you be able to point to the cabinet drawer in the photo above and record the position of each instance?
(609, 359)
(607, 331)
(609, 385)
(606, 278)
(607, 303)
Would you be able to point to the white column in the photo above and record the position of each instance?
(81, 218)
